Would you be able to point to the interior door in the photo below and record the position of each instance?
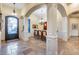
(74, 30)
(11, 27)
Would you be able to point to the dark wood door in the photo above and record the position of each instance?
(11, 27)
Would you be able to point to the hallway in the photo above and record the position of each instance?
(71, 47)
(16, 47)
(39, 27)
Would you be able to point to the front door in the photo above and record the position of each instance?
(11, 28)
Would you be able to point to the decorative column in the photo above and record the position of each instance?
(21, 27)
(25, 32)
(51, 39)
(65, 29)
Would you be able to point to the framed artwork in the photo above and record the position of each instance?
(74, 26)
(45, 25)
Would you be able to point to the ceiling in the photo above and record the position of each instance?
(17, 5)
(41, 12)
(68, 4)
(74, 6)
(75, 14)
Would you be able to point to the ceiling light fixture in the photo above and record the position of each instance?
(0, 10)
(14, 11)
(41, 18)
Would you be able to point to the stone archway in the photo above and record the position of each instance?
(62, 11)
(30, 11)
(34, 9)
(60, 8)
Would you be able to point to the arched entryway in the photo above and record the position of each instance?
(73, 24)
(12, 28)
(60, 8)
(62, 12)
(27, 16)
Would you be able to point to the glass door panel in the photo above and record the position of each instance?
(12, 25)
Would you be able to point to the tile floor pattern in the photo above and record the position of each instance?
(17, 47)
(71, 47)
(38, 47)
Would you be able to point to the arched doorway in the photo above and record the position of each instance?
(29, 14)
(73, 24)
(62, 11)
(12, 28)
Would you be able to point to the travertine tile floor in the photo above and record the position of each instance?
(71, 47)
(38, 47)
(17, 47)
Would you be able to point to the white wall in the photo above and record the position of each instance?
(73, 32)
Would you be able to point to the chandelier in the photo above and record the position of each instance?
(14, 11)
(0, 10)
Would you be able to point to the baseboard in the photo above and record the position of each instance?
(3, 41)
(74, 36)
